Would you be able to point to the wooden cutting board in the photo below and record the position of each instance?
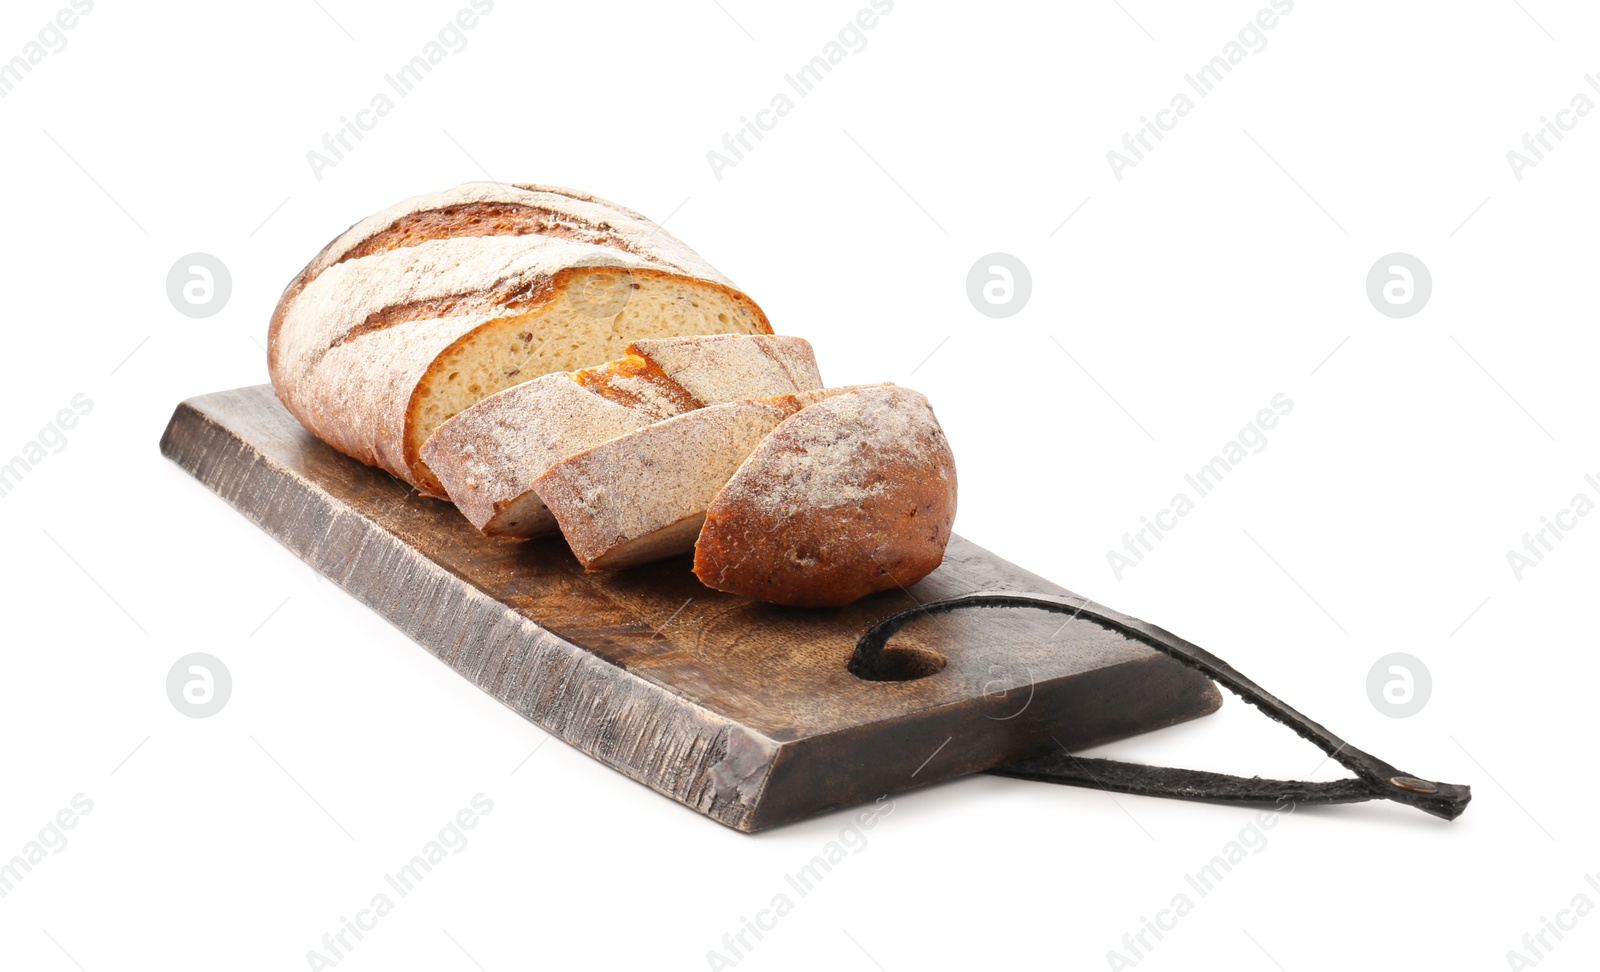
(740, 710)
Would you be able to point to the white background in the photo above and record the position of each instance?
(1224, 269)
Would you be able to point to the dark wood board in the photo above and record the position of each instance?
(740, 710)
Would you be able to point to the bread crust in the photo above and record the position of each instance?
(852, 495)
(413, 282)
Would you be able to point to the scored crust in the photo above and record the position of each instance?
(849, 496)
(431, 305)
(478, 209)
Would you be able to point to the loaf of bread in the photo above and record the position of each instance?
(434, 304)
(642, 496)
(549, 360)
(849, 496)
(488, 456)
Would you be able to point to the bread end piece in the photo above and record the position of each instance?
(850, 496)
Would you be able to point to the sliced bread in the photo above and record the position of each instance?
(488, 456)
(643, 496)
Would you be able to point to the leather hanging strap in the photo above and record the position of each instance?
(1374, 778)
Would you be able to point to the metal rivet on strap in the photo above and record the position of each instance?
(1413, 784)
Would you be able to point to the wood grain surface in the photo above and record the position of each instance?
(740, 710)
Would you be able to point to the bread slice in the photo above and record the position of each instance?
(643, 496)
(671, 375)
(849, 496)
(430, 306)
(488, 456)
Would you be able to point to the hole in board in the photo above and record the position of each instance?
(903, 664)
